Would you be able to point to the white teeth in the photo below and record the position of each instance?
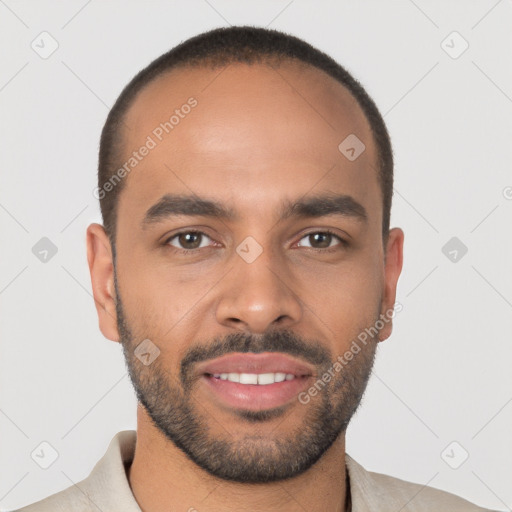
(261, 379)
(248, 378)
(266, 378)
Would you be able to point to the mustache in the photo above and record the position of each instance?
(283, 341)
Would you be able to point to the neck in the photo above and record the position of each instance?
(163, 478)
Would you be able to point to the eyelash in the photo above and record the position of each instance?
(189, 252)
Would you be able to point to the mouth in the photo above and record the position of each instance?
(256, 379)
(255, 382)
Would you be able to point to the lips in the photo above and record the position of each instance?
(266, 362)
(255, 382)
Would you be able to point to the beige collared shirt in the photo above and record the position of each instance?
(107, 489)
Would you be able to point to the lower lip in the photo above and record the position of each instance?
(253, 397)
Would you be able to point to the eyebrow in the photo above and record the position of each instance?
(171, 205)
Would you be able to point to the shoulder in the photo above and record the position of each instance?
(376, 491)
(106, 488)
(71, 499)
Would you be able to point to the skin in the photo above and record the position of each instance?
(257, 136)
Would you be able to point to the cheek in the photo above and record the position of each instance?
(345, 299)
(166, 305)
(162, 295)
(354, 282)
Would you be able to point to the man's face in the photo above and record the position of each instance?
(254, 295)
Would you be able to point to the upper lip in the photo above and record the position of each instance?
(267, 362)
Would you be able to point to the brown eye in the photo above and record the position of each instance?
(188, 240)
(321, 240)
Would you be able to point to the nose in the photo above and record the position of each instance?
(258, 296)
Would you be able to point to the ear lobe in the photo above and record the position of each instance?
(392, 270)
(101, 268)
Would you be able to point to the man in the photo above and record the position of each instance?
(247, 267)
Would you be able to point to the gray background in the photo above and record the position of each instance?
(443, 376)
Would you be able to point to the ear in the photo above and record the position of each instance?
(101, 268)
(392, 269)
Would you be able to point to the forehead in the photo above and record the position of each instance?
(255, 131)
